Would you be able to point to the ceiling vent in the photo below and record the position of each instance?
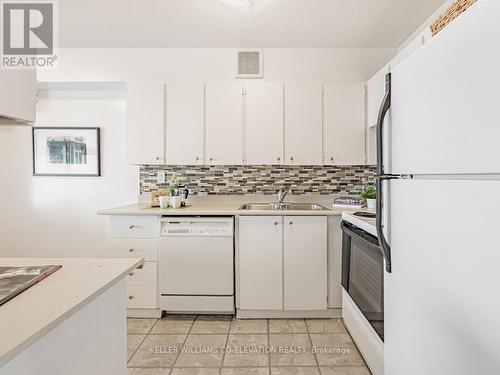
(249, 63)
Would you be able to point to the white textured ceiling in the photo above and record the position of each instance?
(240, 23)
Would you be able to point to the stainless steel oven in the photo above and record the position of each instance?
(363, 274)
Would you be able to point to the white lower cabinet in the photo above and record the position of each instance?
(282, 263)
(141, 297)
(143, 276)
(305, 262)
(134, 236)
(260, 262)
(146, 248)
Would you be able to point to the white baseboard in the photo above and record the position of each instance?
(144, 313)
(289, 314)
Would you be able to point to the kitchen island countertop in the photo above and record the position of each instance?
(47, 304)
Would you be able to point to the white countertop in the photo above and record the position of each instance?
(365, 223)
(44, 306)
(222, 207)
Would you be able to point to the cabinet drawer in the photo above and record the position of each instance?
(133, 248)
(143, 276)
(133, 226)
(141, 296)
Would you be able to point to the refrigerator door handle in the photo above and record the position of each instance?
(381, 176)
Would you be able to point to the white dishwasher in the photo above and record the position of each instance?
(196, 265)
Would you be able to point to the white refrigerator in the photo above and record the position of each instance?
(442, 199)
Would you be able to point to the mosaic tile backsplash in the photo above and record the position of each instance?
(262, 179)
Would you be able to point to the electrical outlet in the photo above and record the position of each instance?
(160, 177)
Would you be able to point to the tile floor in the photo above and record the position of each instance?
(194, 345)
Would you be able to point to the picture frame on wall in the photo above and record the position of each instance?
(67, 151)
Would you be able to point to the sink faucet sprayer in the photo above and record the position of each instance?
(282, 194)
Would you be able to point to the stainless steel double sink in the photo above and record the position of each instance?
(282, 207)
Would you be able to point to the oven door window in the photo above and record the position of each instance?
(363, 275)
(366, 284)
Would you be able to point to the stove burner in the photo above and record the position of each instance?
(370, 215)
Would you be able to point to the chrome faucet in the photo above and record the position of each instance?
(282, 194)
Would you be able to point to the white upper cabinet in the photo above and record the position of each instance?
(264, 123)
(145, 122)
(344, 123)
(18, 91)
(184, 123)
(260, 123)
(375, 90)
(224, 123)
(303, 123)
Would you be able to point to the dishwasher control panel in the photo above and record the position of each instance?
(197, 227)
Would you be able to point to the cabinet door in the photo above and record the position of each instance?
(260, 263)
(18, 95)
(305, 262)
(184, 123)
(264, 123)
(334, 262)
(145, 122)
(375, 90)
(224, 123)
(303, 123)
(344, 123)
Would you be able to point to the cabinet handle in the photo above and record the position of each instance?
(290, 222)
(158, 158)
(211, 159)
(331, 159)
(279, 159)
(275, 223)
(131, 274)
(131, 226)
(197, 158)
(131, 250)
(130, 297)
(291, 158)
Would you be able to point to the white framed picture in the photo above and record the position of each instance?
(66, 151)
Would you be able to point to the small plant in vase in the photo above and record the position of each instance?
(175, 199)
(370, 195)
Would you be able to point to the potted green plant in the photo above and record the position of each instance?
(370, 195)
(175, 199)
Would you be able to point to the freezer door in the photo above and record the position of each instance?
(446, 99)
(441, 300)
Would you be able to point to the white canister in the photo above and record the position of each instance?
(163, 200)
(175, 201)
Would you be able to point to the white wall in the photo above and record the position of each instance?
(121, 64)
(47, 216)
(56, 217)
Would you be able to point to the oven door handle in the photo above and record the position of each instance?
(350, 230)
